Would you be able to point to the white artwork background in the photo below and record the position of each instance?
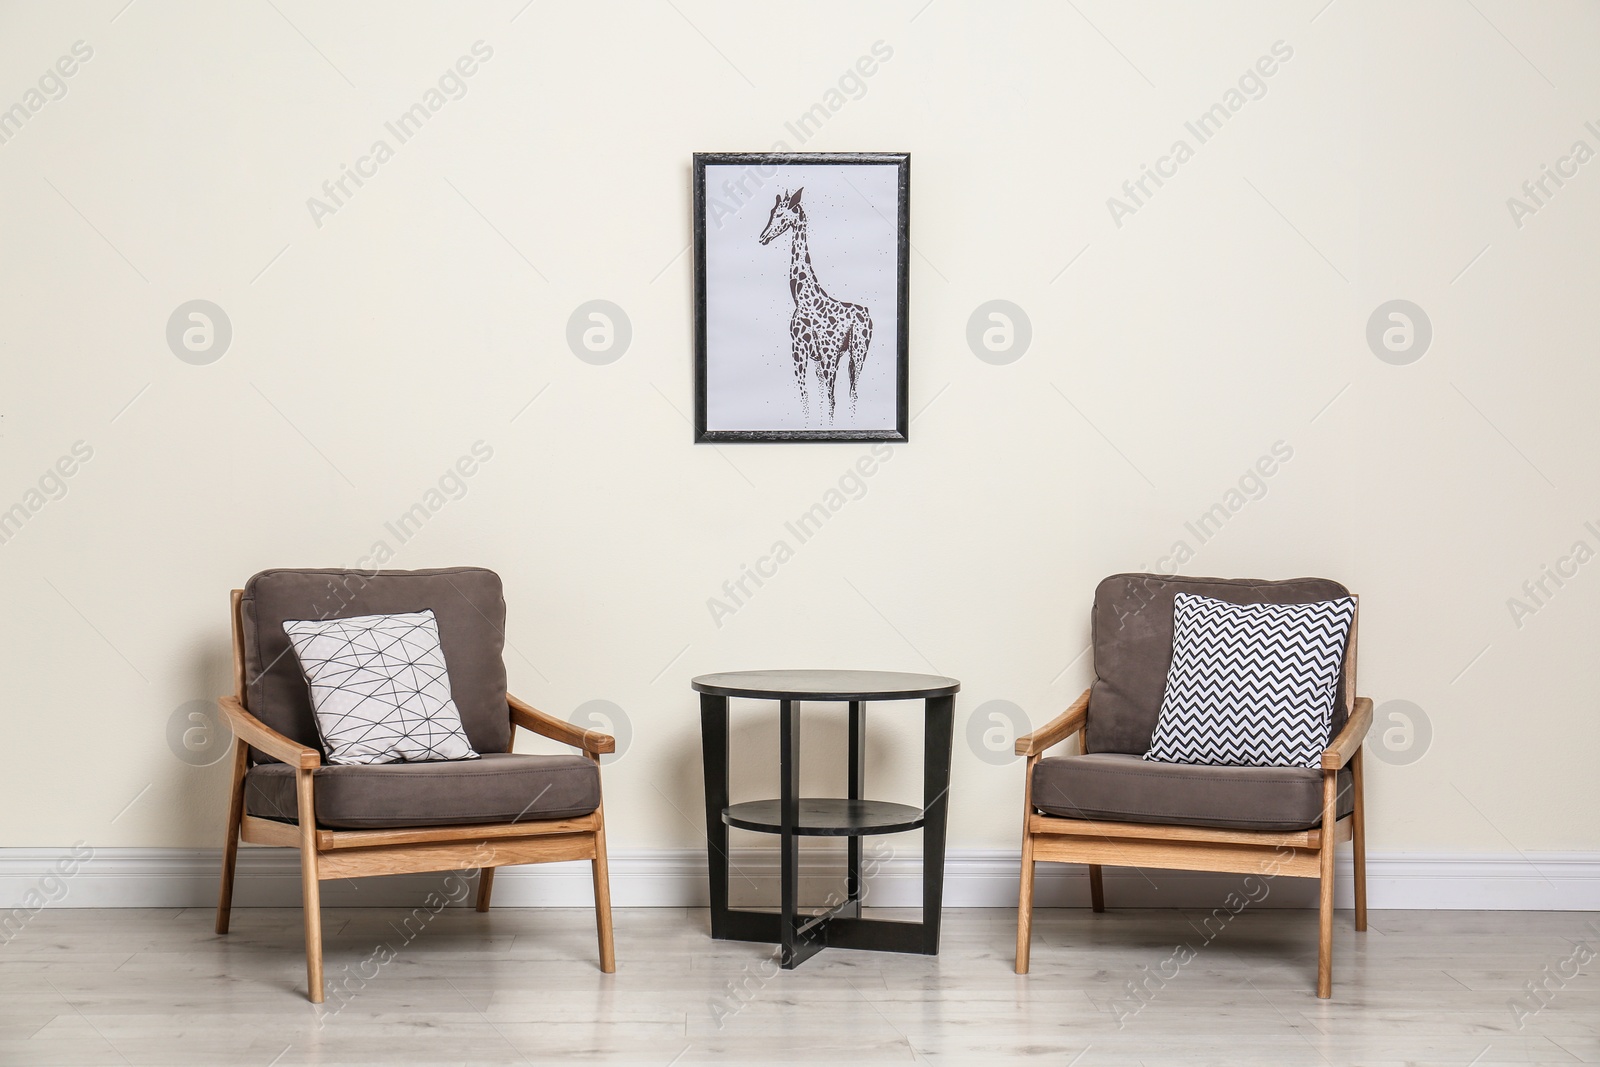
(851, 213)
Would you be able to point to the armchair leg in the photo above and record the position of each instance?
(1097, 889)
(602, 900)
(1025, 904)
(1025, 886)
(485, 887)
(1325, 898)
(230, 847)
(310, 886)
(1358, 843)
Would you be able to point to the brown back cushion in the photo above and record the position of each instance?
(466, 601)
(1132, 626)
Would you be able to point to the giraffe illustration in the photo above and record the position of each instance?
(822, 328)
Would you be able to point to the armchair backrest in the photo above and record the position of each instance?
(1132, 628)
(467, 602)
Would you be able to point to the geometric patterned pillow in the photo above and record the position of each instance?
(1251, 685)
(380, 689)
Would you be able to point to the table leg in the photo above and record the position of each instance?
(714, 753)
(789, 818)
(856, 785)
(939, 735)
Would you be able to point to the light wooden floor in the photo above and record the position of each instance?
(515, 986)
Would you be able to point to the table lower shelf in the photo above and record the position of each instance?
(826, 817)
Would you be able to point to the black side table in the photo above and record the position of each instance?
(793, 817)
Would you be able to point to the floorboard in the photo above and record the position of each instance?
(522, 986)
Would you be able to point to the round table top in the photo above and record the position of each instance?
(826, 685)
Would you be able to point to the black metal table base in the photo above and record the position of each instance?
(800, 935)
(814, 933)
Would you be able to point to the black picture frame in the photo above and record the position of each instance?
(759, 161)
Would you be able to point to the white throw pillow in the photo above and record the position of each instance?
(380, 688)
(1251, 685)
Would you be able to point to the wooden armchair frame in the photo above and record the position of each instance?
(1299, 853)
(328, 854)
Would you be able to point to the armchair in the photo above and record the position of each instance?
(352, 821)
(1106, 805)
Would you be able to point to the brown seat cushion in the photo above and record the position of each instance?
(467, 602)
(1132, 626)
(1117, 787)
(499, 787)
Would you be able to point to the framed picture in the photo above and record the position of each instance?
(800, 269)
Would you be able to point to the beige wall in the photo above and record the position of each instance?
(1225, 314)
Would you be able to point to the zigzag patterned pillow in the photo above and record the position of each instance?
(1251, 685)
(380, 688)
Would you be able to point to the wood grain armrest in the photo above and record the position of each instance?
(1341, 748)
(529, 717)
(251, 730)
(1057, 730)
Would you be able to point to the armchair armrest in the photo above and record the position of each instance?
(251, 730)
(529, 717)
(1341, 748)
(1057, 730)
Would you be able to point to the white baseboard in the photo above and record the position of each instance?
(974, 878)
